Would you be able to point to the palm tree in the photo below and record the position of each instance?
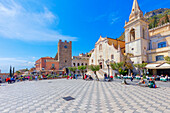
(82, 68)
(95, 68)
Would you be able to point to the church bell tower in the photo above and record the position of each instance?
(136, 35)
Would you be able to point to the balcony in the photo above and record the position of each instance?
(158, 50)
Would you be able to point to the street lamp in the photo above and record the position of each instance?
(108, 64)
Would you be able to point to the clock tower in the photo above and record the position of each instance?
(64, 55)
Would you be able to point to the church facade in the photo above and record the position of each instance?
(107, 50)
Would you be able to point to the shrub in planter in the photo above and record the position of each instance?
(144, 76)
(39, 77)
(21, 78)
(52, 76)
(49, 76)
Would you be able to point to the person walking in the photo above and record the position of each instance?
(131, 77)
(75, 76)
(36, 77)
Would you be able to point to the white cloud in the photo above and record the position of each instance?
(114, 20)
(114, 17)
(16, 22)
(18, 63)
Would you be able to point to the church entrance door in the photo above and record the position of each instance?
(100, 65)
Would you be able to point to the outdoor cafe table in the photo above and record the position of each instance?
(138, 78)
(125, 77)
(163, 79)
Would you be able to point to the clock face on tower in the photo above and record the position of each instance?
(65, 46)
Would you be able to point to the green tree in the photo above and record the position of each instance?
(13, 71)
(167, 58)
(140, 67)
(127, 62)
(163, 22)
(117, 66)
(10, 72)
(155, 24)
(123, 72)
(82, 68)
(72, 69)
(18, 72)
(166, 18)
(94, 68)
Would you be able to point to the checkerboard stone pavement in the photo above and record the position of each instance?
(46, 96)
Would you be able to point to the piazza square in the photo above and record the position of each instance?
(46, 96)
(66, 56)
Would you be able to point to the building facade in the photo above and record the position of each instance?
(59, 64)
(81, 60)
(47, 65)
(107, 49)
(3, 76)
(150, 46)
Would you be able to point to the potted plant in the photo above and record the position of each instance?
(49, 76)
(39, 77)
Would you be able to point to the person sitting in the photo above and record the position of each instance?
(141, 81)
(90, 78)
(0, 80)
(12, 80)
(105, 76)
(166, 77)
(8, 80)
(85, 77)
(151, 83)
(111, 77)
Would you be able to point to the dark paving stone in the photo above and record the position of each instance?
(68, 98)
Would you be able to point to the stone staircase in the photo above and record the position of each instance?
(99, 73)
(92, 74)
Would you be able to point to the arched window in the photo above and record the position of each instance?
(78, 64)
(92, 61)
(132, 35)
(112, 56)
(82, 64)
(100, 47)
(86, 64)
(143, 33)
(74, 64)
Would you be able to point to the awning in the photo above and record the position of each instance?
(158, 66)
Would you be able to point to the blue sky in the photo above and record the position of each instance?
(30, 29)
